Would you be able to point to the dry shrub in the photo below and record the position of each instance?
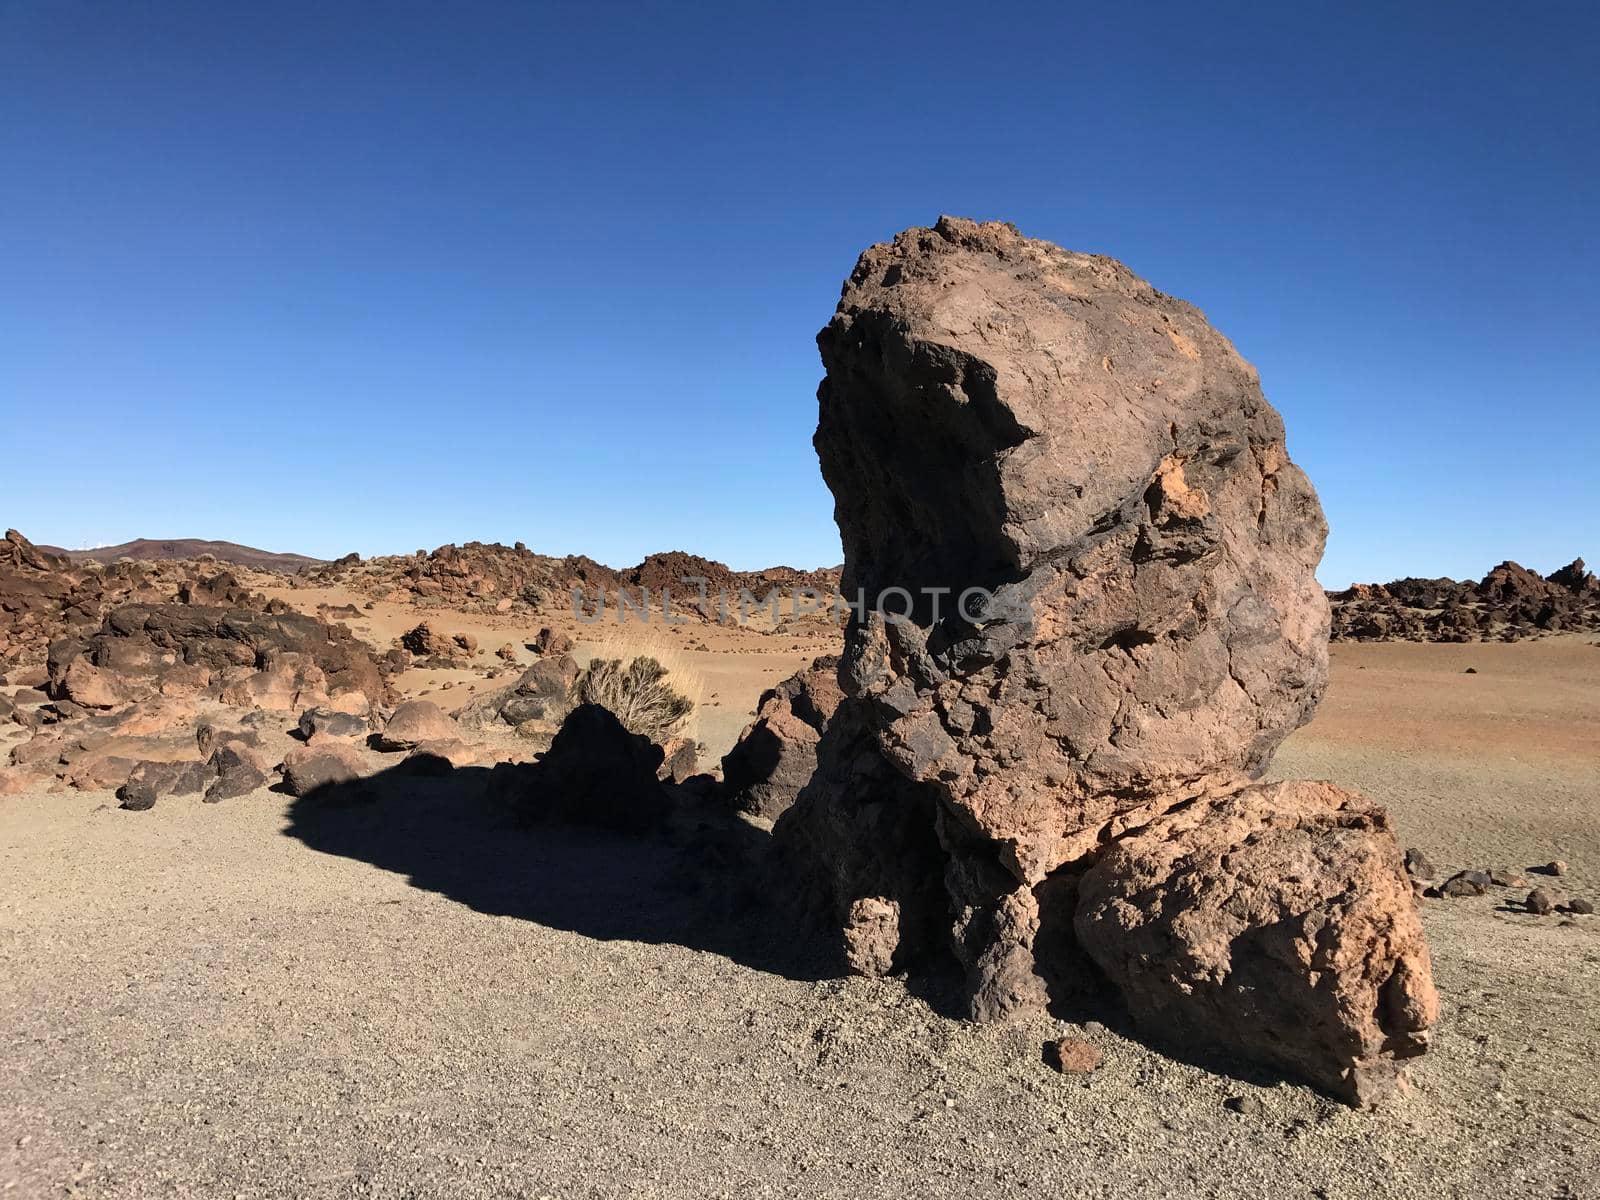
(638, 694)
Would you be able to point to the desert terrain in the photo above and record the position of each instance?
(247, 999)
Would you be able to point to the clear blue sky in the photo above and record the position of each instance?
(331, 277)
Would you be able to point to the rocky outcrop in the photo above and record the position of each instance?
(1510, 603)
(776, 754)
(541, 695)
(1088, 565)
(269, 659)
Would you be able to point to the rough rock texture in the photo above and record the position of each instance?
(415, 722)
(1004, 415)
(306, 768)
(1277, 922)
(777, 752)
(252, 658)
(542, 694)
(1510, 603)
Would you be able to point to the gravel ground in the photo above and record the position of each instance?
(407, 1001)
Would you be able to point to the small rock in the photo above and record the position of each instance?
(1072, 1056)
(1581, 906)
(1470, 671)
(1507, 879)
(328, 721)
(1543, 901)
(1556, 867)
(1465, 883)
(1247, 1106)
(1418, 865)
(237, 771)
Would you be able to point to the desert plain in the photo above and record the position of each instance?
(411, 999)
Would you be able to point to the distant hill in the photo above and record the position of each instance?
(228, 552)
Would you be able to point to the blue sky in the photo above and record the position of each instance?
(345, 277)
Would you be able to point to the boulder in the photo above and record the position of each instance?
(1277, 922)
(237, 771)
(415, 722)
(152, 779)
(1108, 613)
(306, 768)
(330, 722)
(596, 773)
(550, 643)
(542, 694)
(776, 754)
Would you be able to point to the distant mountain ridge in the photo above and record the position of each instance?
(228, 552)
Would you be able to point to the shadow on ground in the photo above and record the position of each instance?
(705, 879)
(700, 881)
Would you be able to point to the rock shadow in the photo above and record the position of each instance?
(701, 880)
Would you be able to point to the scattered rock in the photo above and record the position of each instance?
(306, 768)
(238, 773)
(329, 722)
(1465, 883)
(1072, 1056)
(1419, 865)
(1558, 867)
(1544, 901)
(1580, 905)
(150, 780)
(1245, 1106)
(415, 722)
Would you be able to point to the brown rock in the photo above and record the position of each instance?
(1466, 883)
(548, 642)
(1095, 470)
(238, 773)
(1544, 901)
(1073, 1056)
(777, 752)
(415, 722)
(306, 768)
(453, 751)
(1277, 922)
(507, 652)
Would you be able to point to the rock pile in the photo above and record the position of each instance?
(1510, 603)
(1055, 785)
(490, 577)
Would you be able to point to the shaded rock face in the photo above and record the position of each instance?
(596, 773)
(1004, 415)
(776, 754)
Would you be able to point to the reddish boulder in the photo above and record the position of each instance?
(1277, 922)
(415, 722)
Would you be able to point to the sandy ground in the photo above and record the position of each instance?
(411, 1000)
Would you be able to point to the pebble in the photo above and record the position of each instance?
(1072, 1056)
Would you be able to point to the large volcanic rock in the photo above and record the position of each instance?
(1096, 470)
